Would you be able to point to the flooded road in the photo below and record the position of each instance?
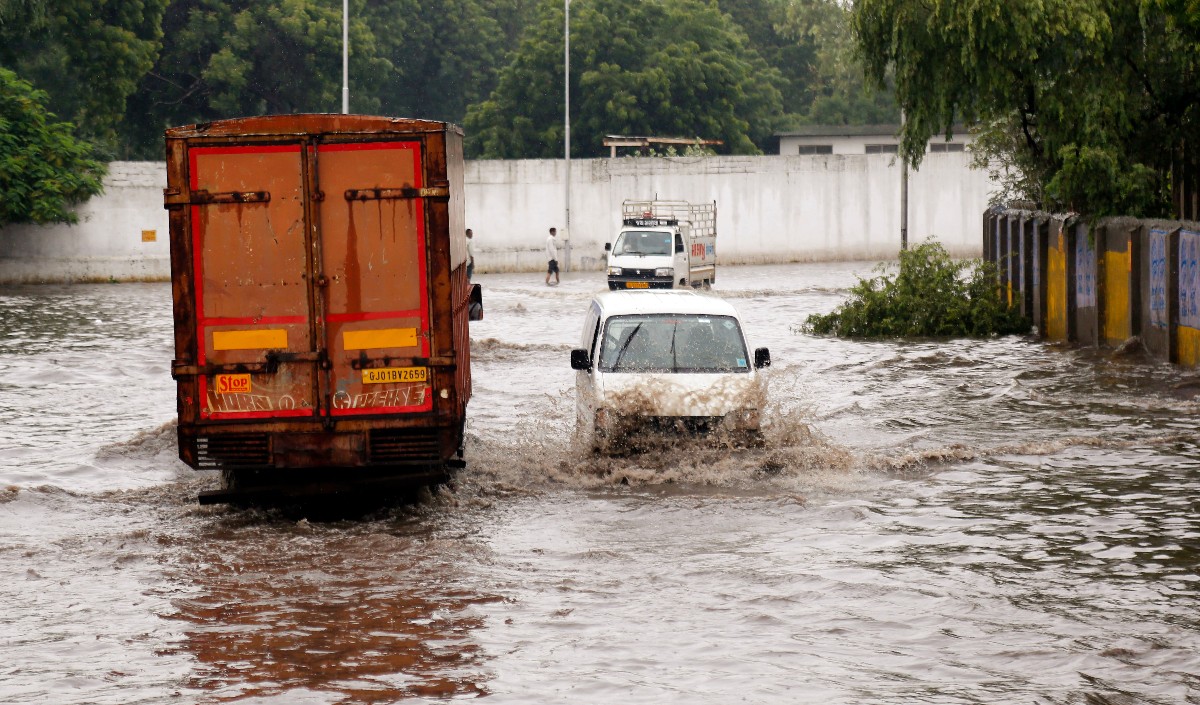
(991, 521)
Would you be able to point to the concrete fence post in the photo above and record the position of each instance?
(1071, 253)
(1026, 264)
(1173, 295)
(1041, 234)
(1135, 239)
(989, 220)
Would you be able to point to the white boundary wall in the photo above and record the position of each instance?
(106, 244)
(769, 209)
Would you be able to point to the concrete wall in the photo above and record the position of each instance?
(769, 209)
(107, 243)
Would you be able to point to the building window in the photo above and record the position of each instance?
(882, 148)
(815, 149)
(946, 146)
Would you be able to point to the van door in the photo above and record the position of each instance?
(374, 278)
(249, 252)
(586, 380)
(682, 259)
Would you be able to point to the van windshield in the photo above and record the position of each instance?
(643, 242)
(673, 343)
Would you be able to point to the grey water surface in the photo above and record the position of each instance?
(965, 521)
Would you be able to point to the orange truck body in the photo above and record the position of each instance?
(320, 293)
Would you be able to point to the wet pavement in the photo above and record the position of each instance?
(995, 521)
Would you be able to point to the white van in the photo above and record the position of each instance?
(671, 360)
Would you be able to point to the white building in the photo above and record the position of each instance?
(860, 139)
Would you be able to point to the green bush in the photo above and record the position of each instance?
(44, 169)
(930, 296)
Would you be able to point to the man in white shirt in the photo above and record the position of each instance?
(470, 254)
(552, 255)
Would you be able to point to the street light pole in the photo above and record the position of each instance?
(567, 127)
(903, 191)
(345, 56)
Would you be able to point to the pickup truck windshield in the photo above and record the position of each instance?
(673, 343)
(643, 242)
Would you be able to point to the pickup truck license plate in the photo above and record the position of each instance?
(637, 285)
(385, 375)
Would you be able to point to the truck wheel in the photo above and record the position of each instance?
(612, 286)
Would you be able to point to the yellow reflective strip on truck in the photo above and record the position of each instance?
(270, 339)
(384, 338)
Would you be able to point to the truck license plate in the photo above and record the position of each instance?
(637, 285)
(385, 375)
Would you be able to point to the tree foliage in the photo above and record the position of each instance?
(407, 57)
(88, 55)
(736, 70)
(833, 85)
(810, 43)
(930, 295)
(670, 68)
(448, 55)
(1082, 104)
(236, 58)
(44, 169)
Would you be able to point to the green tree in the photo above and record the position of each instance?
(286, 57)
(812, 45)
(44, 169)
(235, 58)
(793, 53)
(669, 68)
(1082, 104)
(445, 55)
(839, 93)
(88, 55)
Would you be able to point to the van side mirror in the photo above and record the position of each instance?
(579, 359)
(608, 247)
(762, 358)
(475, 304)
(678, 247)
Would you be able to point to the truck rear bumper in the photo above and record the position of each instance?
(233, 448)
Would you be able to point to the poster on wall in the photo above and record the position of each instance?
(1158, 278)
(1085, 269)
(1189, 279)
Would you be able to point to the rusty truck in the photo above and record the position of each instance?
(321, 302)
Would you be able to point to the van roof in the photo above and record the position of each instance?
(624, 303)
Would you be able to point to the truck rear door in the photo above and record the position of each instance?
(250, 262)
(374, 277)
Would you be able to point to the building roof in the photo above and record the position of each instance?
(842, 131)
(889, 131)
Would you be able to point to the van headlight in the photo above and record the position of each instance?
(614, 271)
(663, 272)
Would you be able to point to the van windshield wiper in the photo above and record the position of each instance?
(674, 360)
(625, 345)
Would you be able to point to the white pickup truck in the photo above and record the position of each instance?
(664, 245)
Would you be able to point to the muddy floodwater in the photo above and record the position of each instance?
(992, 521)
